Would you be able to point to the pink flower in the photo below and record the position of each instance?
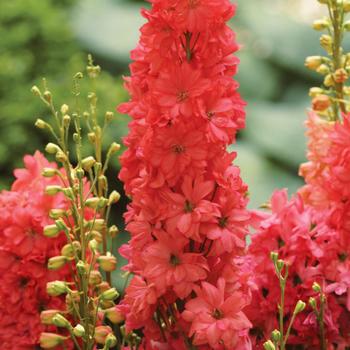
(217, 318)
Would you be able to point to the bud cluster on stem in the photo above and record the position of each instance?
(85, 222)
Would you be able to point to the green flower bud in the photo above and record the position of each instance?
(52, 190)
(64, 109)
(299, 307)
(88, 162)
(40, 124)
(56, 262)
(107, 262)
(52, 148)
(35, 90)
(51, 231)
(111, 341)
(269, 345)
(51, 340)
(113, 231)
(47, 96)
(316, 287)
(56, 288)
(79, 331)
(321, 24)
(276, 336)
(313, 303)
(109, 294)
(60, 321)
(109, 116)
(113, 197)
(274, 256)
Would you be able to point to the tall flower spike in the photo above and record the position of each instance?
(188, 217)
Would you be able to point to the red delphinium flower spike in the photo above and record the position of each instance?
(188, 218)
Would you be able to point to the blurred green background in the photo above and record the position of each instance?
(52, 37)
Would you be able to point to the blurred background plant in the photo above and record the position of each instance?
(52, 37)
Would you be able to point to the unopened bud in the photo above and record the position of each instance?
(280, 264)
(276, 336)
(113, 231)
(35, 91)
(312, 303)
(81, 267)
(56, 262)
(113, 197)
(313, 62)
(107, 262)
(326, 42)
(315, 91)
(61, 225)
(49, 172)
(115, 147)
(47, 315)
(316, 287)
(102, 182)
(111, 341)
(340, 76)
(96, 236)
(64, 109)
(88, 162)
(109, 294)
(323, 69)
(69, 249)
(92, 137)
(56, 288)
(66, 120)
(61, 157)
(321, 103)
(101, 333)
(299, 307)
(98, 224)
(52, 190)
(79, 331)
(109, 116)
(114, 315)
(51, 231)
(96, 202)
(47, 96)
(328, 80)
(51, 340)
(320, 24)
(93, 245)
(95, 278)
(269, 345)
(274, 256)
(52, 148)
(40, 124)
(68, 192)
(60, 321)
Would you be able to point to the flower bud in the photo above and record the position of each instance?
(81, 267)
(102, 182)
(97, 236)
(51, 231)
(109, 116)
(95, 278)
(56, 288)
(92, 137)
(88, 162)
(98, 224)
(114, 315)
(326, 42)
(49, 172)
(323, 69)
(316, 287)
(321, 103)
(47, 96)
(274, 256)
(313, 62)
(340, 76)
(40, 124)
(68, 192)
(52, 190)
(61, 157)
(320, 24)
(280, 264)
(328, 80)
(56, 262)
(315, 91)
(107, 262)
(47, 315)
(51, 340)
(269, 345)
(93, 245)
(35, 90)
(57, 213)
(109, 294)
(299, 307)
(52, 148)
(69, 248)
(61, 225)
(113, 197)
(115, 147)
(101, 333)
(66, 120)
(111, 341)
(276, 336)
(79, 331)
(113, 231)
(312, 303)
(64, 109)
(60, 321)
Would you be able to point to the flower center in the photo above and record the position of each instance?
(188, 207)
(223, 222)
(174, 260)
(178, 149)
(210, 115)
(218, 314)
(182, 96)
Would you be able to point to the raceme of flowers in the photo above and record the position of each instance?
(188, 218)
(24, 253)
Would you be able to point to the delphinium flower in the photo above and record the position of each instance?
(24, 252)
(187, 218)
(311, 231)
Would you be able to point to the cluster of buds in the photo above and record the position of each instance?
(90, 297)
(332, 99)
(279, 338)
